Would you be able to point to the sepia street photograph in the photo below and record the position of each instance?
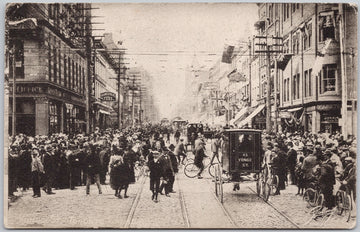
(207, 115)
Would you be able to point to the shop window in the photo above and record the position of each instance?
(19, 60)
(329, 78)
(73, 75)
(326, 26)
(54, 122)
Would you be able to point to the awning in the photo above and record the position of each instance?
(104, 112)
(294, 109)
(239, 115)
(253, 114)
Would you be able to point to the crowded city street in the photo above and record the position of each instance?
(180, 116)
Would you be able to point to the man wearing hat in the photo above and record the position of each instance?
(291, 162)
(327, 179)
(309, 163)
(37, 169)
(199, 156)
(49, 168)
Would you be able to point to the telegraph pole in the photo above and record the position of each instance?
(132, 103)
(119, 93)
(268, 51)
(268, 90)
(13, 126)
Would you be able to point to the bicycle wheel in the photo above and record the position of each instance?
(266, 191)
(347, 206)
(191, 170)
(310, 196)
(259, 185)
(320, 200)
(211, 170)
(339, 202)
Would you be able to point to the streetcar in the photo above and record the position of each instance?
(241, 155)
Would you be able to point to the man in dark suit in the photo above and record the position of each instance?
(93, 166)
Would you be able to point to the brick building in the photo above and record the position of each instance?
(311, 74)
(50, 66)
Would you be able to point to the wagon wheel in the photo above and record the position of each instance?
(259, 184)
(221, 189)
(216, 181)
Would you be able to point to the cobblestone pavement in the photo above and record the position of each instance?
(299, 211)
(71, 209)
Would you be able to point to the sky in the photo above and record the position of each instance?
(164, 38)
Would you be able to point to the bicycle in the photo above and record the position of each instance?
(262, 186)
(272, 180)
(313, 195)
(343, 204)
(191, 170)
(141, 169)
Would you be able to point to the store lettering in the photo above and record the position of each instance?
(21, 89)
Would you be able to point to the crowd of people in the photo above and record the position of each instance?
(323, 160)
(60, 161)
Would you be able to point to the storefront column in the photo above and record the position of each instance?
(315, 126)
(41, 116)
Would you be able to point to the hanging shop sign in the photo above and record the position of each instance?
(108, 96)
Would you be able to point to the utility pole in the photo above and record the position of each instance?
(275, 96)
(268, 90)
(268, 51)
(140, 107)
(132, 102)
(119, 93)
(13, 126)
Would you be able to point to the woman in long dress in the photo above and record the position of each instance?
(115, 163)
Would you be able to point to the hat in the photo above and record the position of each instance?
(327, 152)
(348, 158)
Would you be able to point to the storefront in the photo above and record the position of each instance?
(43, 109)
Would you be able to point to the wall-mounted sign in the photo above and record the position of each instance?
(210, 85)
(108, 96)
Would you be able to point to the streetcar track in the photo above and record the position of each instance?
(183, 205)
(135, 204)
(225, 211)
(277, 210)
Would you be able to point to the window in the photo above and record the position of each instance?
(19, 60)
(306, 83)
(329, 78)
(288, 90)
(53, 118)
(298, 86)
(50, 62)
(271, 13)
(326, 26)
(309, 34)
(286, 48)
(69, 73)
(55, 64)
(65, 69)
(286, 11)
(76, 77)
(293, 6)
(83, 76)
(310, 82)
(73, 75)
(284, 90)
(59, 58)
